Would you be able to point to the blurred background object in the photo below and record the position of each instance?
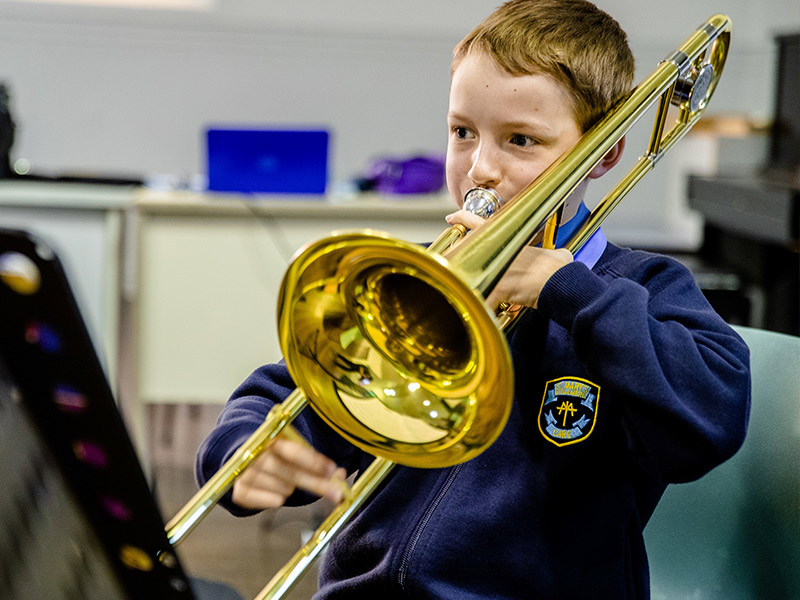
(6, 132)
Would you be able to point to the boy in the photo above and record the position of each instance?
(626, 379)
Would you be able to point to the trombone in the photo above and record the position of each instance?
(393, 345)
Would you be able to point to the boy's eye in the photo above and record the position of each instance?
(462, 133)
(524, 141)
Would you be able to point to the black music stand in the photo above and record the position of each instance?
(77, 518)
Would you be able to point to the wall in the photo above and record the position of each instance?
(118, 91)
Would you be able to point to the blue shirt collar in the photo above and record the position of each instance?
(594, 247)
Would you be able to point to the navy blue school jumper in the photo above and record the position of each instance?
(626, 380)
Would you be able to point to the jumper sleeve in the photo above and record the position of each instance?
(643, 328)
(245, 411)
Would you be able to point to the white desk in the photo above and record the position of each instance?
(201, 308)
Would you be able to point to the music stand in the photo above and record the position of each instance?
(77, 518)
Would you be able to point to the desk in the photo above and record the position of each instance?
(200, 309)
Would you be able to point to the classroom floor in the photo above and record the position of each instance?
(241, 552)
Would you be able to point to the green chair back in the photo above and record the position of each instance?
(735, 533)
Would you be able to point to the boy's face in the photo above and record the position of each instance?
(504, 130)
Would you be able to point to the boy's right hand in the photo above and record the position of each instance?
(527, 274)
(282, 468)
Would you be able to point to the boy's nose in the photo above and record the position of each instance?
(485, 169)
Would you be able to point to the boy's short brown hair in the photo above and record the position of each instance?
(573, 41)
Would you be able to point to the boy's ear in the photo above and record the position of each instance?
(611, 158)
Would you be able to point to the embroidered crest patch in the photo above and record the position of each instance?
(569, 410)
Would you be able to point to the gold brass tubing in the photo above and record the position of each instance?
(447, 238)
(193, 512)
(644, 165)
(284, 580)
(661, 119)
(607, 204)
(677, 133)
(551, 231)
(507, 314)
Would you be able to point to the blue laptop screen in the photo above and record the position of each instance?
(267, 161)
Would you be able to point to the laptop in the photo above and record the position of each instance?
(265, 161)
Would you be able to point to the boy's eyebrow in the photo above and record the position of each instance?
(533, 123)
(456, 116)
(539, 125)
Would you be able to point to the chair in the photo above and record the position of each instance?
(735, 533)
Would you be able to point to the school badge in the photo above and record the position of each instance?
(569, 410)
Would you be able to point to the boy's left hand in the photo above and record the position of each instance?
(526, 275)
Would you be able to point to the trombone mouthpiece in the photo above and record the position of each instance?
(483, 202)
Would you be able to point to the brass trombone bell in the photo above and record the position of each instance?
(354, 301)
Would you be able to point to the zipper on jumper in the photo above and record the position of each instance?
(412, 544)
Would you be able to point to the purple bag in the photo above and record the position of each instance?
(417, 175)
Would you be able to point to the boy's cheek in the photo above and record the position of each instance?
(456, 196)
(452, 179)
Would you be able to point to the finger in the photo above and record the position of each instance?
(259, 499)
(273, 477)
(310, 470)
(495, 298)
(339, 480)
(320, 486)
(303, 457)
(259, 492)
(465, 218)
(270, 480)
(564, 255)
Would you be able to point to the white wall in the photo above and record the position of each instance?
(111, 91)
